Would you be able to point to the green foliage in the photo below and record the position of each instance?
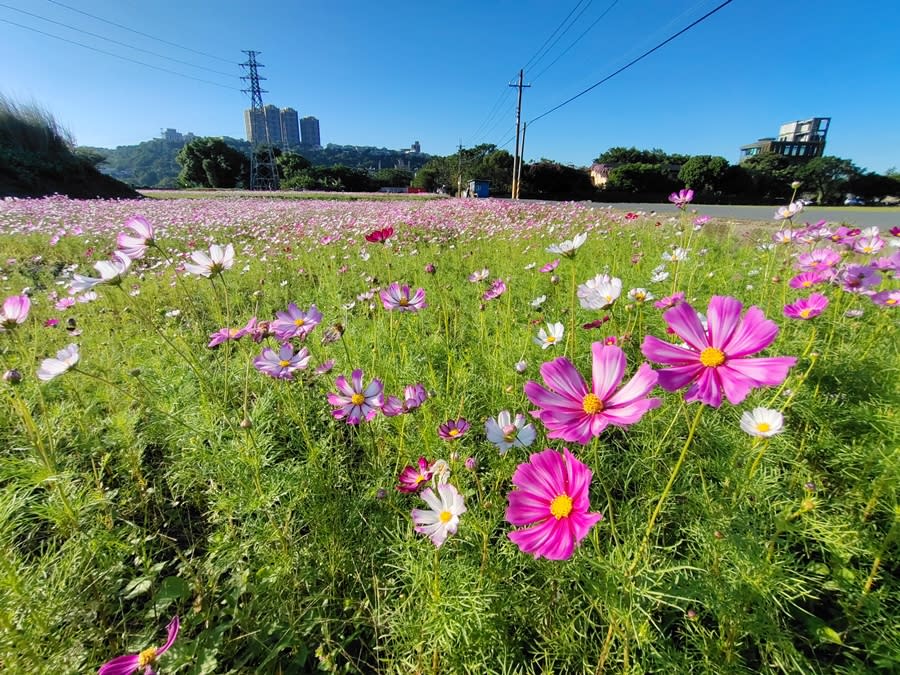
(291, 165)
(550, 179)
(393, 178)
(705, 174)
(621, 155)
(828, 176)
(641, 178)
(210, 162)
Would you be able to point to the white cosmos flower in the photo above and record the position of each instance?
(640, 295)
(479, 275)
(65, 359)
(111, 272)
(677, 255)
(551, 336)
(789, 211)
(506, 432)
(600, 292)
(538, 301)
(217, 261)
(569, 246)
(762, 422)
(442, 518)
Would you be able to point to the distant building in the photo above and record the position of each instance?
(290, 128)
(309, 132)
(263, 126)
(600, 174)
(801, 141)
(416, 147)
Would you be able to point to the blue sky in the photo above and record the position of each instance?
(389, 73)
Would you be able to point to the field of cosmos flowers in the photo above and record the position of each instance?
(444, 436)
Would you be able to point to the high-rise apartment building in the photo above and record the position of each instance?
(290, 128)
(263, 126)
(800, 141)
(309, 132)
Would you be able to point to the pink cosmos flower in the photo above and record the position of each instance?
(681, 198)
(64, 303)
(818, 260)
(551, 495)
(295, 323)
(135, 246)
(453, 429)
(14, 311)
(497, 288)
(127, 664)
(806, 308)
(397, 297)
(442, 519)
(669, 301)
(414, 478)
(284, 364)
(869, 245)
(380, 236)
(550, 266)
(224, 335)
(355, 402)
(714, 360)
(414, 395)
(575, 412)
(807, 280)
(324, 367)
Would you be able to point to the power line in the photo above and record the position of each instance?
(561, 35)
(116, 42)
(137, 32)
(492, 119)
(577, 40)
(119, 56)
(541, 48)
(632, 62)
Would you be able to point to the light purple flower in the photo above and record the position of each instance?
(550, 266)
(806, 308)
(284, 364)
(451, 430)
(818, 260)
(506, 432)
(355, 402)
(497, 288)
(858, 278)
(714, 360)
(295, 323)
(887, 298)
(397, 297)
(807, 280)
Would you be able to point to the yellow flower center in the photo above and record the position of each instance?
(419, 479)
(806, 284)
(147, 657)
(763, 427)
(403, 302)
(299, 322)
(357, 399)
(445, 517)
(453, 432)
(890, 301)
(551, 339)
(283, 363)
(712, 357)
(805, 313)
(592, 404)
(561, 506)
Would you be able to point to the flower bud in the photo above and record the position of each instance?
(796, 184)
(12, 376)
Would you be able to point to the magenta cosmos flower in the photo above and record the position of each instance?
(681, 198)
(714, 360)
(806, 308)
(453, 429)
(284, 364)
(551, 495)
(135, 246)
(414, 478)
(396, 296)
(295, 323)
(127, 664)
(355, 402)
(575, 412)
(14, 311)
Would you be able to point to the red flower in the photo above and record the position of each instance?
(380, 236)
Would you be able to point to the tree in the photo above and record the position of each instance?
(622, 155)
(873, 186)
(551, 179)
(393, 178)
(641, 178)
(828, 176)
(291, 165)
(210, 162)
(705, 174)
(772, 175)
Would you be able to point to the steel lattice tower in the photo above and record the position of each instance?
(263, 172)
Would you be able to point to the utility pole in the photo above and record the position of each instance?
(459, 171)
(517, 160)
(263, 172)
(521, 159)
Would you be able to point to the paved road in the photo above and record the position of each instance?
(883, 216)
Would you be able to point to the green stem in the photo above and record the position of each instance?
(570, 343)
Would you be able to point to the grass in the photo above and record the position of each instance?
(287, 195)
(161, 477)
